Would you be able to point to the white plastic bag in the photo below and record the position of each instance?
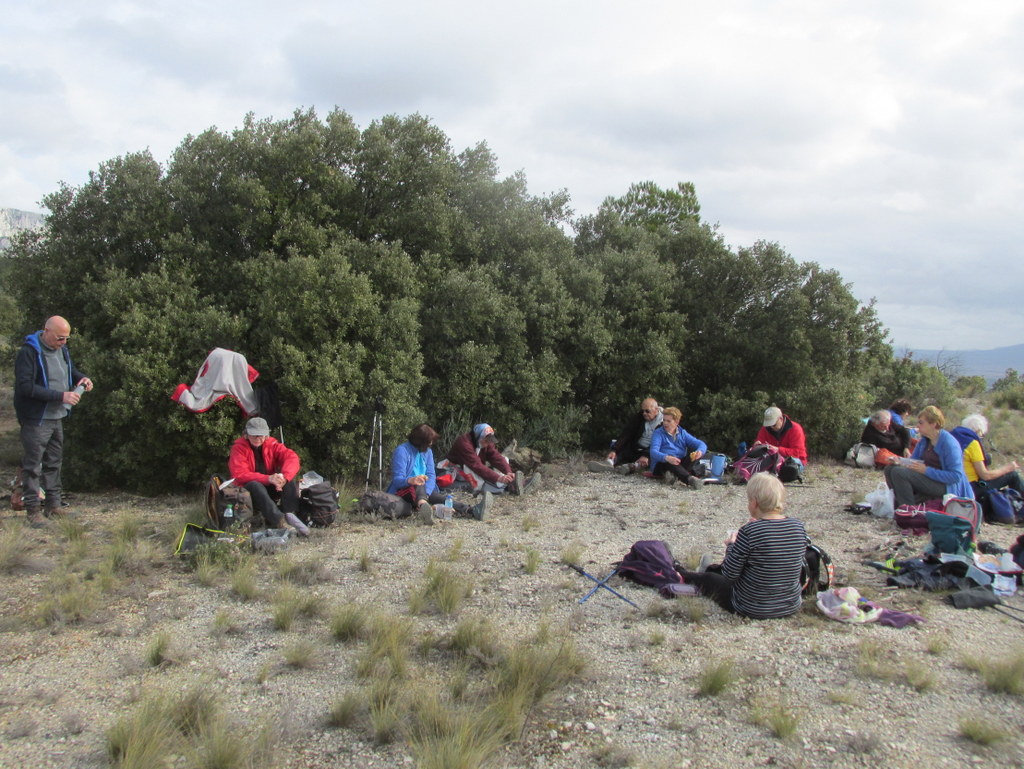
(882, 501)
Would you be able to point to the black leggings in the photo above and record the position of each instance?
(713, 585)
(265, 501)
(682, 471)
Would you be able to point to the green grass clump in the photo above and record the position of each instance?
(67, 599)
(243, 581)
(306, 571)
(344, 711)
(715, 677)
(443, 588)
(1005, 676)
(572, 554)
(529, 523)
(532, 561)
(475, 637)
(349, 622)
(300, 654)
(778, 717)
(158, 650)
(224, 623)
(387, 654)
(16, 550)
(188, 728)
(983, 730)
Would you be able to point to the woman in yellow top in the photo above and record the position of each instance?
(969, 435)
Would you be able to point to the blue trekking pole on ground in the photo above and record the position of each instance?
(602, 583)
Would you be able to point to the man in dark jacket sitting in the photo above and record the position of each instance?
(632, 450)
(882, 431)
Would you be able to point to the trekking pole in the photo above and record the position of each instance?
(600, 584)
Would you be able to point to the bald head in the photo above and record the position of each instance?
(56, 332)
(649, 407)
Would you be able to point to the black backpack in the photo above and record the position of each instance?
(791, 470)
(818, 573)
(318, 504)
(650, 562)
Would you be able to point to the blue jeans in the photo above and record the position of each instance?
(42, 452)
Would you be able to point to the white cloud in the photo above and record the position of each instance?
(881, 139)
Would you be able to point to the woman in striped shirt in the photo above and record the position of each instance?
(760, 576)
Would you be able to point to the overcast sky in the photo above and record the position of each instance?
(882, 139)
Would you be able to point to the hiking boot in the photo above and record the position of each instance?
(705, 560)
(668, 479)
(532, 483)
(518, 485)
(481, 508)
(604, 466)
(695, 483)
(296, 523)
(35, 518)
(426, 513)
(626, 468)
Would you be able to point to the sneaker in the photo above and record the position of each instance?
(668, 479)
(604, 466)
(426, 513)
(695, 483)
(36, 519)
(625, 468)
(297, 524)
(705, 560)
(518, 485)
(532, 483)
(481, 508)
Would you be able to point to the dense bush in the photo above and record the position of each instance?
(350, 264)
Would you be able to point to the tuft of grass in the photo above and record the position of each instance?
(657, 638)
(345, 710)
(455, 551)
(300, 654)
(919, 675)
(532, 561)
(443, 588)
(715, 677)
(71, 529)
(224, 623)
(844, 696)
(983, 730)
(191, 725)
(937, 643)
(573, 553)
(16, 550)
(475, 637)
(613, 756)
(530, 522)
(873, 661)
(67, 600)
(1005, 676)
(364, 562)
(126, 528)
(387, 711)
(306, 571)
(387, 653)
(349, 622)
(243, 581)
(158, 650)
(778, 717)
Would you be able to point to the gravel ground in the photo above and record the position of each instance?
(636, 704)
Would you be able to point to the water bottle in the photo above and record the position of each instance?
(229, 515)
(449, 503)
(741, 449)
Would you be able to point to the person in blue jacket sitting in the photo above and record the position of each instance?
(935, 469)
(414, 478)
(674, 451)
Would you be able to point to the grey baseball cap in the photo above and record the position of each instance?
(257, 426)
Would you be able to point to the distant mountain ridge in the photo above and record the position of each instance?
(13, 221)
(991, 364)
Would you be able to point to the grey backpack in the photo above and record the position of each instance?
(385, 505)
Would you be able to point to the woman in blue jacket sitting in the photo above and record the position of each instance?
(414, 478)
(674, 451)
(935, 469)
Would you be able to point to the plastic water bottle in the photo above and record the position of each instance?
(229, 515)
(449, 503)
(741, 449)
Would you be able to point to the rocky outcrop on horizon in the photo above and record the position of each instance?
(13, 221)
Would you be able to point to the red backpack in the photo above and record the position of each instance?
(759, 459)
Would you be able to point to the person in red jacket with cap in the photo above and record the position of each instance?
(782, 432)
(266, 468)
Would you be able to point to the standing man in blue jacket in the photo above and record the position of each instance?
(46, 386)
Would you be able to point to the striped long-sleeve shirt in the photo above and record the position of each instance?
(764, 565)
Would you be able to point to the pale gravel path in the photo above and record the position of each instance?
(59, 692)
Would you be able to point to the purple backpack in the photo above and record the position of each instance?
(650, 562)
(759, 459)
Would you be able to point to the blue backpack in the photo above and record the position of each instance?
(1003, 506)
